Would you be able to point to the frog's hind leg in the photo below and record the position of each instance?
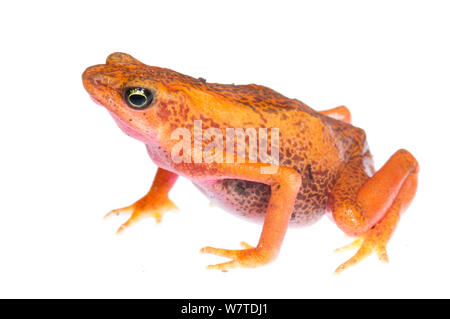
(340, 113)
(155, 203)
(370, 207)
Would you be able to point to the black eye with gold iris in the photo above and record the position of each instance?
(138, 98)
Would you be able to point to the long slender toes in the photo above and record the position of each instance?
(362, 253)
(224, 266)
(356, 244)
(220, 252)
(121, 229)
(382, 254)
(344, 266)
(120, 211)
(133, 219)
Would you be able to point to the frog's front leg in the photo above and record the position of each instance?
(370, 207)
(285, 184)
(155, 203)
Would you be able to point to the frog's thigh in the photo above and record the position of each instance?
(358, 201)
(284, 182)
(340, 113)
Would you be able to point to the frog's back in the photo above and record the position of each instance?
(311, 143)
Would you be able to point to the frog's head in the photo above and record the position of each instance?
(137, 95)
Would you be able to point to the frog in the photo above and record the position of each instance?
(323, 167)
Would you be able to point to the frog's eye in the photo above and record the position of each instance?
(138, 98)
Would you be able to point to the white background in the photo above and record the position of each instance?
(64, 163)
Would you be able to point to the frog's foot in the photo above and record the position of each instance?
(371, 206)
(249, 257)
(148, 206)
(377, 237)
(374, 240)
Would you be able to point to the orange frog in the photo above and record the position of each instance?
(323, 162)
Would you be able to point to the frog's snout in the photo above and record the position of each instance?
(95, 82)
(91, 74)
(97, 75)
(93, 77)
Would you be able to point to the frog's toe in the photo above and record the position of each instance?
(362, 253)
(141, 214)
(143, 209)
(366, 244)
(120, 211)
(132, 220)
(225, 266)
(245, 245)
(353, 245)
(249, 257)
(230, 253)
(137, 215)
(382, 253)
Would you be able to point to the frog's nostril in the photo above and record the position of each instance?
(97, 79)
(92, 78)
(94, 74)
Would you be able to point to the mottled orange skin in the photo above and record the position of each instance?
(324, 162)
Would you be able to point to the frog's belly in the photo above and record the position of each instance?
(250, 199)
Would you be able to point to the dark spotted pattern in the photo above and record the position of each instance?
(315, 145)
(250, 199)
